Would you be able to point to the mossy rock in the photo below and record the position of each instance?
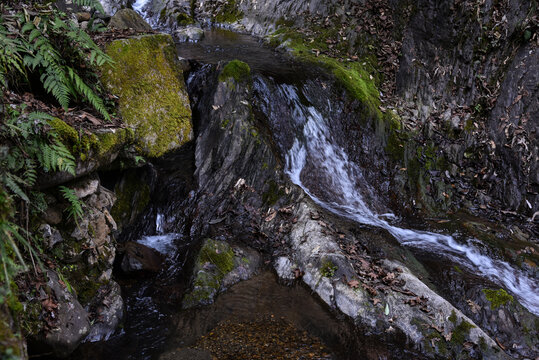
(215, 260)
(152, 96)
(10, 342)
(236, 70)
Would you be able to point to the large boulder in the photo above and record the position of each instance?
(152, 96)
(129, 19)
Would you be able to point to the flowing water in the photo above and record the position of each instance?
(322, 168)
(347, 194)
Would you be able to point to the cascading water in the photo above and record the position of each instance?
(314, 150)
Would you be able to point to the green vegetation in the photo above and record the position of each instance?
(237, 70)
(328, 268)
(47, 45)
(152, 99)
(498, 297)
(74, 210)
(352, 75)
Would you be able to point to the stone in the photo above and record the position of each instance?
(85, 187)
(72, 320)
(52, 215)
(129, 19)
(50, 235)
(139, 257)
(152, 94)
(110, 312)
(83, 16)
(217, 267)
(189, 33)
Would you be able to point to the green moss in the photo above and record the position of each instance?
(219, 254)
(498, 297)
(152, 95)
(230, 13)
(79, 145)
(112, 140)
(328, 268)
(352, 75)
(453, 317)
(460, 332)
(10, 348)
(237, 70)
(214, 261)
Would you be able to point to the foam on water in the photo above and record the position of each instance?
(331, 163)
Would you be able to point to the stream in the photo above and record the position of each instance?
(317, 163)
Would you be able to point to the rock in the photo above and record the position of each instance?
(285, 268)
(186, 354)
(72, 324)
(189, 33)
(83, 16)
(139, 257)
(129, 19)
(109, 313)
(52, 215)
(84, 25)
(51, 235)
(218, 266)
(85, 187)
(151, 91)
(105, 146)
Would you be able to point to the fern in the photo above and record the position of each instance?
(53, 46)
(74, 210)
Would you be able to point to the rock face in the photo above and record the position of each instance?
(84, 251)
(129, 19)
(151, 91)
(383, 296)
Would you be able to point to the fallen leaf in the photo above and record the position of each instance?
(353, 284)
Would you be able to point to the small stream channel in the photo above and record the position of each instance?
(154, 322)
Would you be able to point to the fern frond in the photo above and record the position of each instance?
(88, 93)
(74, 210)
(11, 182)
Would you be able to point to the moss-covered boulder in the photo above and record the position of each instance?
(218, 266)
(152, 96)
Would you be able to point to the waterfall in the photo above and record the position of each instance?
(315, 151)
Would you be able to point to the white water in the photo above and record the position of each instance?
(164, 243)
(331, 164)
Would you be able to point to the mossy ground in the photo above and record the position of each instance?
(152, 95)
